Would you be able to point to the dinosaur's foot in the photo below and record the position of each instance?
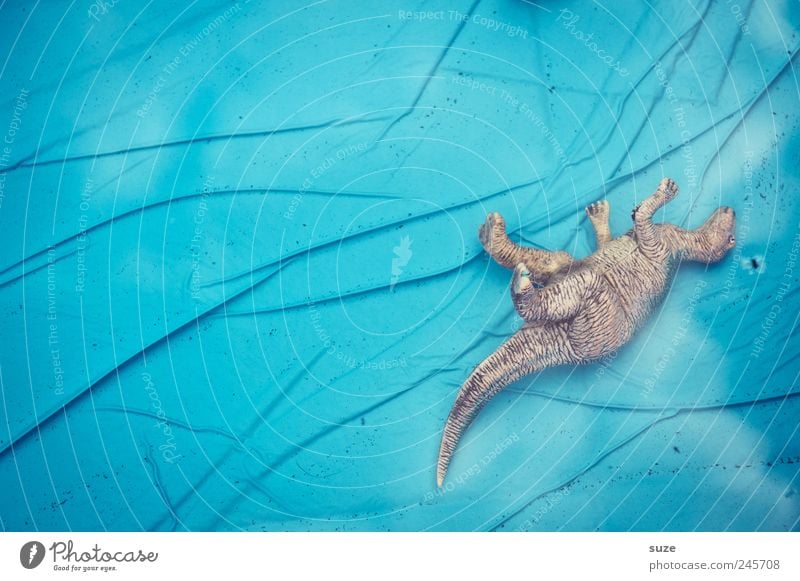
(521, 281)
(667, 189)
(598, 211)
(492, 232)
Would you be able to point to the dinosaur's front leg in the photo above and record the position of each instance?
(667, 190)
(499, 246)
(646, 236)
(557, 302)
(598, 214)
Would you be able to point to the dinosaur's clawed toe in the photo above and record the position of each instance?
(491, 230)
(521, 281)
(598, 209)
(668, 188)
(496, 222)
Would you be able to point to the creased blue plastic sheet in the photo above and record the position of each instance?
(241, 283)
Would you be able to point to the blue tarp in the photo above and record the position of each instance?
(240, 279)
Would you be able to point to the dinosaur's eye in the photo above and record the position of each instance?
(731, 239)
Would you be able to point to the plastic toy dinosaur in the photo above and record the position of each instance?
(577, 311)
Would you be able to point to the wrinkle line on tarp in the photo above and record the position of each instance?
(155, 204)
(370, 229)
(258, 421)
(171, 421)
(621, 104)
(671, 413)
(339, 122)
(350, 293)
(431, 73)
(599, 458)
(655, 408)
(47, 416)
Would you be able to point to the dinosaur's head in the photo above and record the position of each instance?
(714, 238)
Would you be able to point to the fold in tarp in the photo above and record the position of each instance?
(241, 283)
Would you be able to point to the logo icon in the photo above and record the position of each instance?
(31, 554)
(402, 254)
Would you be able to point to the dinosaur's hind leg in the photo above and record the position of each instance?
(648, 241)
(556, 302)
(496, 242)
(598, 213)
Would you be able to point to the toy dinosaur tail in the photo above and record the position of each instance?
(529, 349)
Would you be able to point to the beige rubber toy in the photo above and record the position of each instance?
(577, 311)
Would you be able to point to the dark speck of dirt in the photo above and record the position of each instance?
(676, 449)
(754, 262)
